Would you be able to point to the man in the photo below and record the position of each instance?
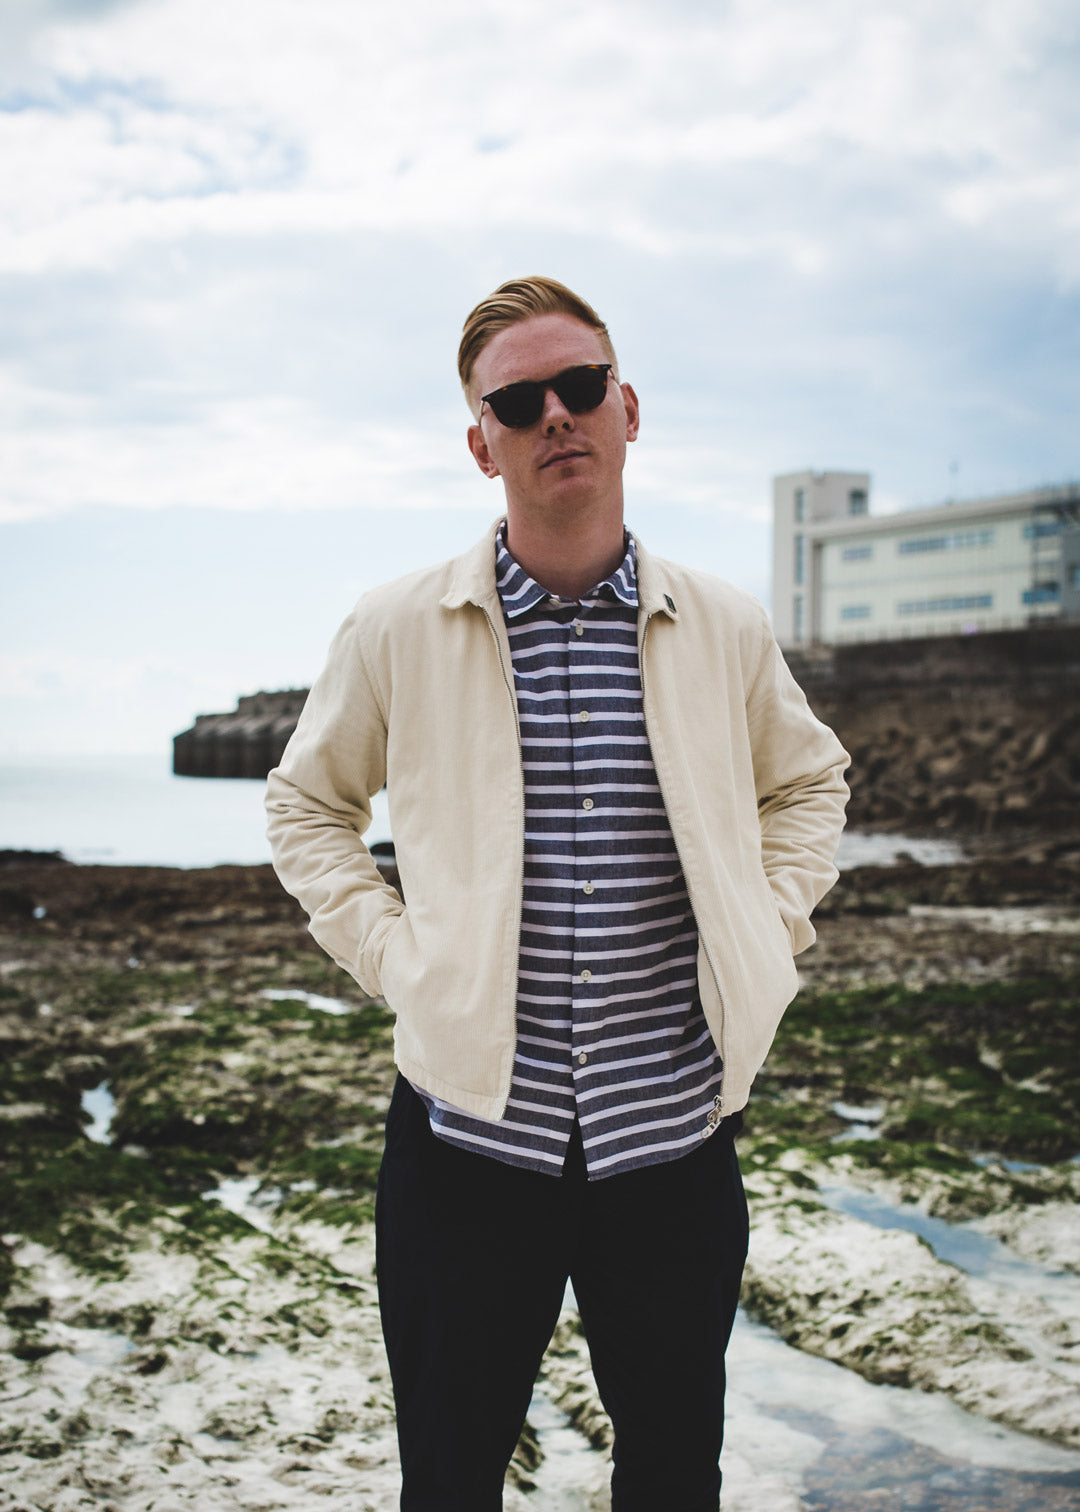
(613, 814)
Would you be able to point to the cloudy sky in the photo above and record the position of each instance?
(237, 241)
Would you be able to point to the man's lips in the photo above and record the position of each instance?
(563, 456)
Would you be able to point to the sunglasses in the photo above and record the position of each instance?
(578, 388)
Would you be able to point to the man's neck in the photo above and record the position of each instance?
(570, 561)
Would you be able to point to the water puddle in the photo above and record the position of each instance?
(100, 1105)
(241, 1195)
(309, 999)
(866, 1446)
(1014, 919)
(862, 1472)
(100, 1348)
(863, 1123)
(1016, 1166)
(860, 1448)
(572, 1476)
(958, 1244)
(860, 848)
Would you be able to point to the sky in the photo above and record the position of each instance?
(238, 242)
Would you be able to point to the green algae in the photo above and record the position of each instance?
(958, 1068)
(210, 1079)
(333, 1183)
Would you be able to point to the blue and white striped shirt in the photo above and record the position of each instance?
(610, 1027)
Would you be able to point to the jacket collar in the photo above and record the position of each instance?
(472, 575)
(472, 579)
(656, 591)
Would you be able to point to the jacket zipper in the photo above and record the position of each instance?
(508, 682)
(719, 1105)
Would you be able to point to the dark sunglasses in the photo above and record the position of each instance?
(579, 388)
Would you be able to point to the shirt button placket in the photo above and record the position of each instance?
(579, 719)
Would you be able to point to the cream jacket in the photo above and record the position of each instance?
(418, 692)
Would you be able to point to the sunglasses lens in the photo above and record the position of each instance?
(582, 388)
(518, 405)
(521, 404)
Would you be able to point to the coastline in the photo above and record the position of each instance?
(166, 1348)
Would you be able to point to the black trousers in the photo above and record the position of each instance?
(473, 1257)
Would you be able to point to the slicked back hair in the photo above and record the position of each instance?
(516, 300)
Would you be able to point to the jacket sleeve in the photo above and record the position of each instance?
(318, 804)
(799, 770)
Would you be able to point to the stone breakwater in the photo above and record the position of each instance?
(248, 742)
(190, 1109)
(975, 734)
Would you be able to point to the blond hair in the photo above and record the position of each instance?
(516, 300)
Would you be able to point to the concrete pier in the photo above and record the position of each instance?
(246, 743)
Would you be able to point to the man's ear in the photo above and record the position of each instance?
(479, 448)
(633, 412)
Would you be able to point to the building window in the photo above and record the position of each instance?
(1043, 593)
(855, 612)
(800, 559)
(798, 616)
(1038, 528)
(947, 605)
(857, 501)
(857, 553)
(800, 505)
(957, 540)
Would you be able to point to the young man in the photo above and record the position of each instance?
(613, 814)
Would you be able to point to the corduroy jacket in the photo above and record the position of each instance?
(418, 692)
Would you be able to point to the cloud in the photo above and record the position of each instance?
(253, 455)
(184, 116)
(235, 241)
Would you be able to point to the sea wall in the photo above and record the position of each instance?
(972, 733)
(246, 743)
(975, 733)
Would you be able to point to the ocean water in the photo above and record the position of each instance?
(131, 810)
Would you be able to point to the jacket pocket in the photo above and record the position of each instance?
(771, 914)
(394, 965)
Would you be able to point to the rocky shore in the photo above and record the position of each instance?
(191, 1123)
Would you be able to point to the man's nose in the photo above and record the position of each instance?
(555, 415)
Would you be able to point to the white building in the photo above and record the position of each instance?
(841, 573)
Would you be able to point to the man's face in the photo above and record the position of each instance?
(564, 461)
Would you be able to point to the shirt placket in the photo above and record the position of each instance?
(584, 990)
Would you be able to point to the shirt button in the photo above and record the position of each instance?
(588, 888)
(553, 601)
(583, 717)
(586, 975)
(587, 803)
(579, 628)
(582, 1058)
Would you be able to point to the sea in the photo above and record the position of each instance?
(132, 811)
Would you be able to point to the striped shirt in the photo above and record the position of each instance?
(610, 1027)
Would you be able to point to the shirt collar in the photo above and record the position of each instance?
(519, 592)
